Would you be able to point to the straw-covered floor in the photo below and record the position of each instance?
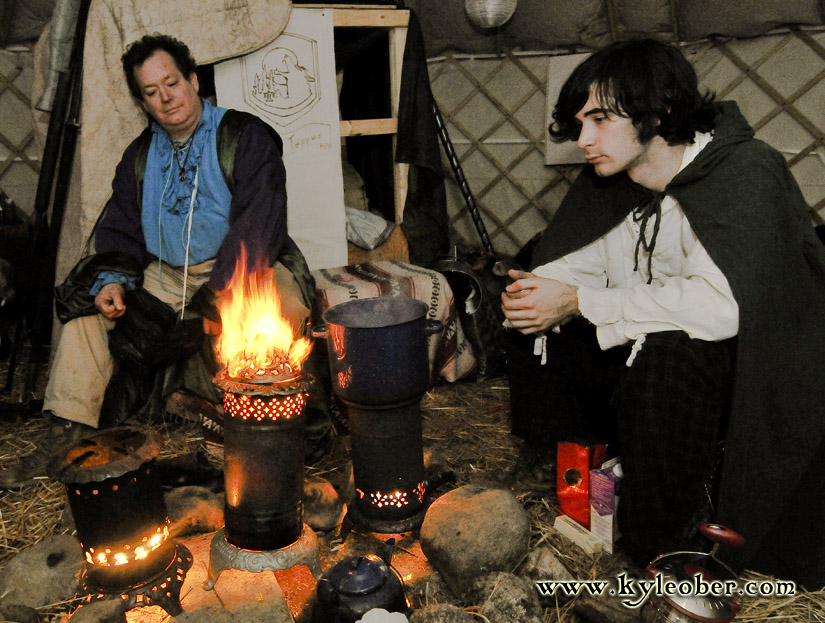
(467, 423)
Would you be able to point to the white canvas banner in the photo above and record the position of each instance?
(291, 85)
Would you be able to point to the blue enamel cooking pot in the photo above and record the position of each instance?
(377, 349)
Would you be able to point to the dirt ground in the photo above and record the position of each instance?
(466, 423)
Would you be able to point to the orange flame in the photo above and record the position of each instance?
(255, 339)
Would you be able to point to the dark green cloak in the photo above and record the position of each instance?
(748, 212)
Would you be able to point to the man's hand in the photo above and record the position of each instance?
(534, 304)
(109, 301)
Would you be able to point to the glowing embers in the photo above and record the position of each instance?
(397, 499)
(113, 557)
(162, 591)
(261, 408)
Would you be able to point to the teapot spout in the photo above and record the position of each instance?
(386, 551)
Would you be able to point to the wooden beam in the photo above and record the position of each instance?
(374, 18)
(398, 41)
(369, 127)
(397, 21)
(327, 5)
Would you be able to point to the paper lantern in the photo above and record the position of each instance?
(489, 13)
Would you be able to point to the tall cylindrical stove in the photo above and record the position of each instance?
(388, 466)
(378, 358)
(264, 477)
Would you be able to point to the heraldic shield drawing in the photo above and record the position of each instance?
(283, 82)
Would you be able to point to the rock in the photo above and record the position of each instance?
(194, 510)
(505, 598)
(67, 520)
(429, 589)
(14, 613)
(471, 531)
(606, 608)
(190, 469)
(345, 484)
(106, 611)
(441, 613)
(437, 470)
(323, 509)
(45, 573)
(542, 564)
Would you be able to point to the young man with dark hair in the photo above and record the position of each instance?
(675, 303)
(179, 219)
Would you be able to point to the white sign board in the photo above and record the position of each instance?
(291, 85)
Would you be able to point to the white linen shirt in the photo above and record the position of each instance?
(688, 292)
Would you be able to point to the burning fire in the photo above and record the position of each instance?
(255, 339)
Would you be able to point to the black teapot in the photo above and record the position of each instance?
(358, 584)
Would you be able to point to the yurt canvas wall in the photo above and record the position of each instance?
(491, 88)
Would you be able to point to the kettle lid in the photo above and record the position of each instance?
(699, 571)
(359, 575)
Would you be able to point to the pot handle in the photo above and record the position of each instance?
(431, 327)
(319, 331)
(722, 534)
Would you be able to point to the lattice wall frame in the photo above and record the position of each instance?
(19, 154)
(494, 109)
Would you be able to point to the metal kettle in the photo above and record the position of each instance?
(700, 571)
(358, 584)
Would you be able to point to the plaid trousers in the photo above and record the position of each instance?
(664, 415)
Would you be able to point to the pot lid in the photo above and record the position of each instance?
(358, 575)
(685, 580)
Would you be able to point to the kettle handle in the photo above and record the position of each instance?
(319, 330)
(721, 535)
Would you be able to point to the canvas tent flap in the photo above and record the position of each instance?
(549, 24)
(701, 18)
(23, 20)
(647, 16)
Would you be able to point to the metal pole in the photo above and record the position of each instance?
(41, 205)
(42, 325)
(43, 249)
(472, 206)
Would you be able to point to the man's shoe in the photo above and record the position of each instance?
(32, 467)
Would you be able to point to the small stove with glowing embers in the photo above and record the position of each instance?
(121, 520)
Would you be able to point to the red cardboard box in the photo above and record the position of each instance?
(573, 464)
